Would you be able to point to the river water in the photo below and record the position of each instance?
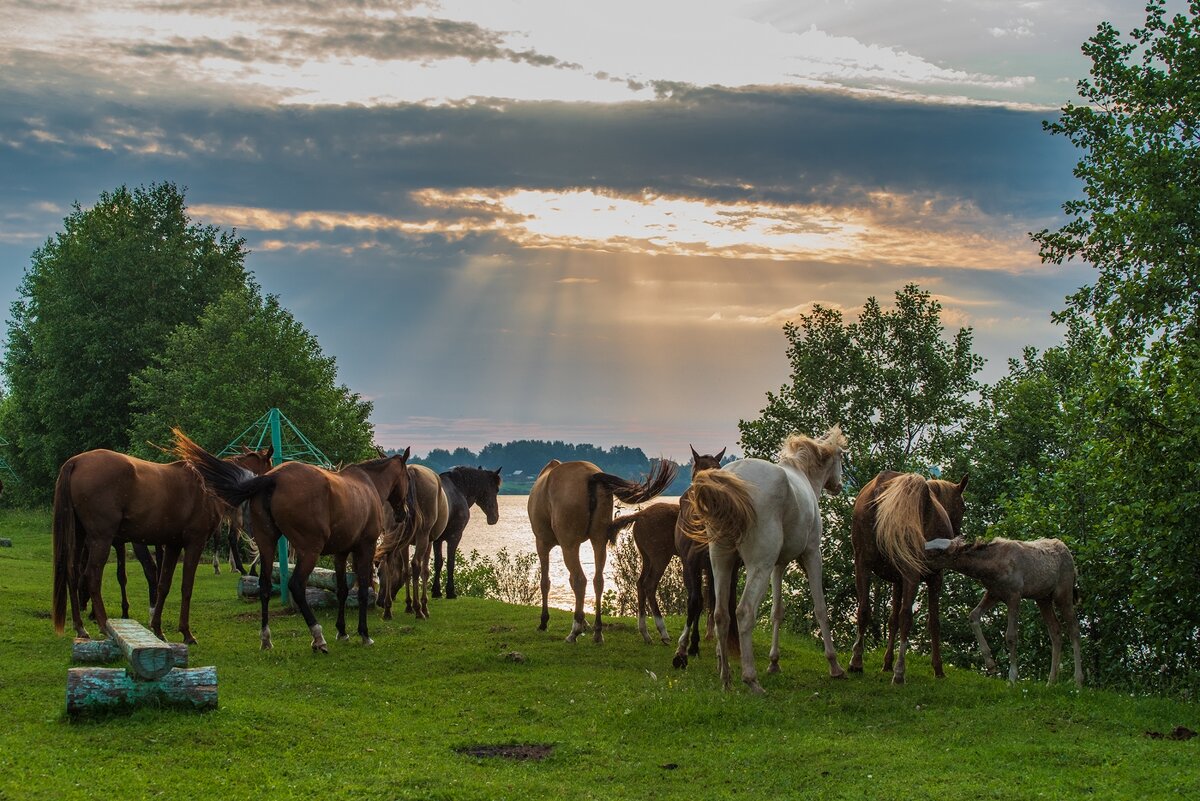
(512, 531)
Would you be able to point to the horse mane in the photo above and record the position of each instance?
(370, 464)
(899, 529)
(470, 478)
(806, 454)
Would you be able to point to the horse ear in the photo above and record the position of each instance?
(721, 455)
(497, 470)
(695, 455)
(962, 484)
(269, 452)
(407, 453)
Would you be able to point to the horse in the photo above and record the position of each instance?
(572, 502)
(1010, 570)
(894, 515)
(320, 512)
(231, 522)
(429, 511)
(463, 486)
(767, 513)
(102, 498)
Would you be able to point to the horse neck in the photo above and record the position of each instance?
(470, 486)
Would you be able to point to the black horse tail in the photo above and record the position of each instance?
(231, 483)
(662, 473)
(64, 545)
(621, 523)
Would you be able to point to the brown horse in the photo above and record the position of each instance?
(429, 513)
(320, 512)
(895, 514)
(572, 502)
(103, 497)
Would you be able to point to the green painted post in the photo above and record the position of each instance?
(276, 460)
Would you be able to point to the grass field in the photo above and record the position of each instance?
(385, 722)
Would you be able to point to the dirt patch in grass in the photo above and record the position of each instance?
(521, 752)
(1177, 733)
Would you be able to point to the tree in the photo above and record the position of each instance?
(97, 302)
(244, 355)
(901, 394)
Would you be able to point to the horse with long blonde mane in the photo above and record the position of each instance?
(895, 514)
(767, 514)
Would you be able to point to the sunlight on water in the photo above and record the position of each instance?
(512, 531)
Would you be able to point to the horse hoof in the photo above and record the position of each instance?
(322, 647)
(451, 595)
(855, 669)
(366, 640)
(841, 674)
(436, 594)
(666, 640)
(343, 638)
(541, 627)
(599, 638)
(571, 637)
(897, 680)
(680, 661)
(774, 668)
(189, 640)
(755, 687)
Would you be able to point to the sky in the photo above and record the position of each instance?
(549, 219)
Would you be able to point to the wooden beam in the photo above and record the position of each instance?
(149, 657)
(94, 689)
(107, 650)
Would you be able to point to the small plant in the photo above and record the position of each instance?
(516, 578)
(475, 575)
(627, 564)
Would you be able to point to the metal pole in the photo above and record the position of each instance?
(276, 460)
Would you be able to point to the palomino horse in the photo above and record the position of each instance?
(767, 513)
(572, 502)
(320, 512)
(429, 510)
(895, 514)
(103, 497)
(463, 486)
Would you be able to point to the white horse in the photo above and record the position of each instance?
(767, 514)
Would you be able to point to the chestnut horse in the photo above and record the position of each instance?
(767, 513)
(429, 511)
(895, 514)
(104, 498)
(572, 503)
(463, 486)
(320, 512)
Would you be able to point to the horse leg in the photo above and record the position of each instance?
(578, 586)
(436, 589)
(1066, 605)
(757, 579)
(908, 595)
(933, 589)
(191, 560)
(150, 568)
(216, 544)
(235, 544)
(94, 572)
(1010, 636)
(816, 587)
(695, 606)
(122, 577)
(1046, 606)
(419, 576)
(543, 552)
(451, 555)
(977, 614)
(710, 596)
(166, 574)
(862, 587)
(893, 625)
(266, 556)
(776, 615)
(297, 583)
(643, 587)
(600, 552)
(722, 561)
(363, 579)
(660, 624)
(406, 573)
(343, 592)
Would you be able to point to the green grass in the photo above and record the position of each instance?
(384, 722)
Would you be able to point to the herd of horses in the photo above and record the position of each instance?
(390, 517)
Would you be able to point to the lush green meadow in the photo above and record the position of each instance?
(384, 722)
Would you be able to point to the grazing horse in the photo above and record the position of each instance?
(767, 514)
(572, 502)
(895, 514)
(104, 498)
(429, 510)
(1011, 570)
(320, 512)
(463, 486)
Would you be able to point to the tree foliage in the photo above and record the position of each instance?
(98, 300)
(244, 355)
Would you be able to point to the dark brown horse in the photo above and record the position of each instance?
(895, 514)
(464, 486)
(103, 497)
(572, 502)
(320, 512)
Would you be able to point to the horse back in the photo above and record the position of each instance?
(432, 503)
(321, 510)
(558, 502)
(147, 500)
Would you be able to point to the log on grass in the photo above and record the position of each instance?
(321, 577)
(317, 595)
(108, 650)
(149, 657)
(5, 542)
(94, 689)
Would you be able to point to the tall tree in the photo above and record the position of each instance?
(244, 355)
(97, 302)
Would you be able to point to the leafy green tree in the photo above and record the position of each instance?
(98, 301)
(244, 355)
(901, 392)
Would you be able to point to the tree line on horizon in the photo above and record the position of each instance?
(133, 318)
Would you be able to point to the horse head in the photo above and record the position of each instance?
(706, 462)
(950, 495)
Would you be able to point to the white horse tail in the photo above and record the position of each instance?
(899, 528)
(722, 510)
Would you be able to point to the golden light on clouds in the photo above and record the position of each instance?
(885, 229)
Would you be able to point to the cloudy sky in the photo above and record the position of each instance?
(564, 220)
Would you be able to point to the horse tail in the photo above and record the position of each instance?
(64, 538)
(230, 482)
(661, 476)
(621, 523)
(722, 509)
(899, 529)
